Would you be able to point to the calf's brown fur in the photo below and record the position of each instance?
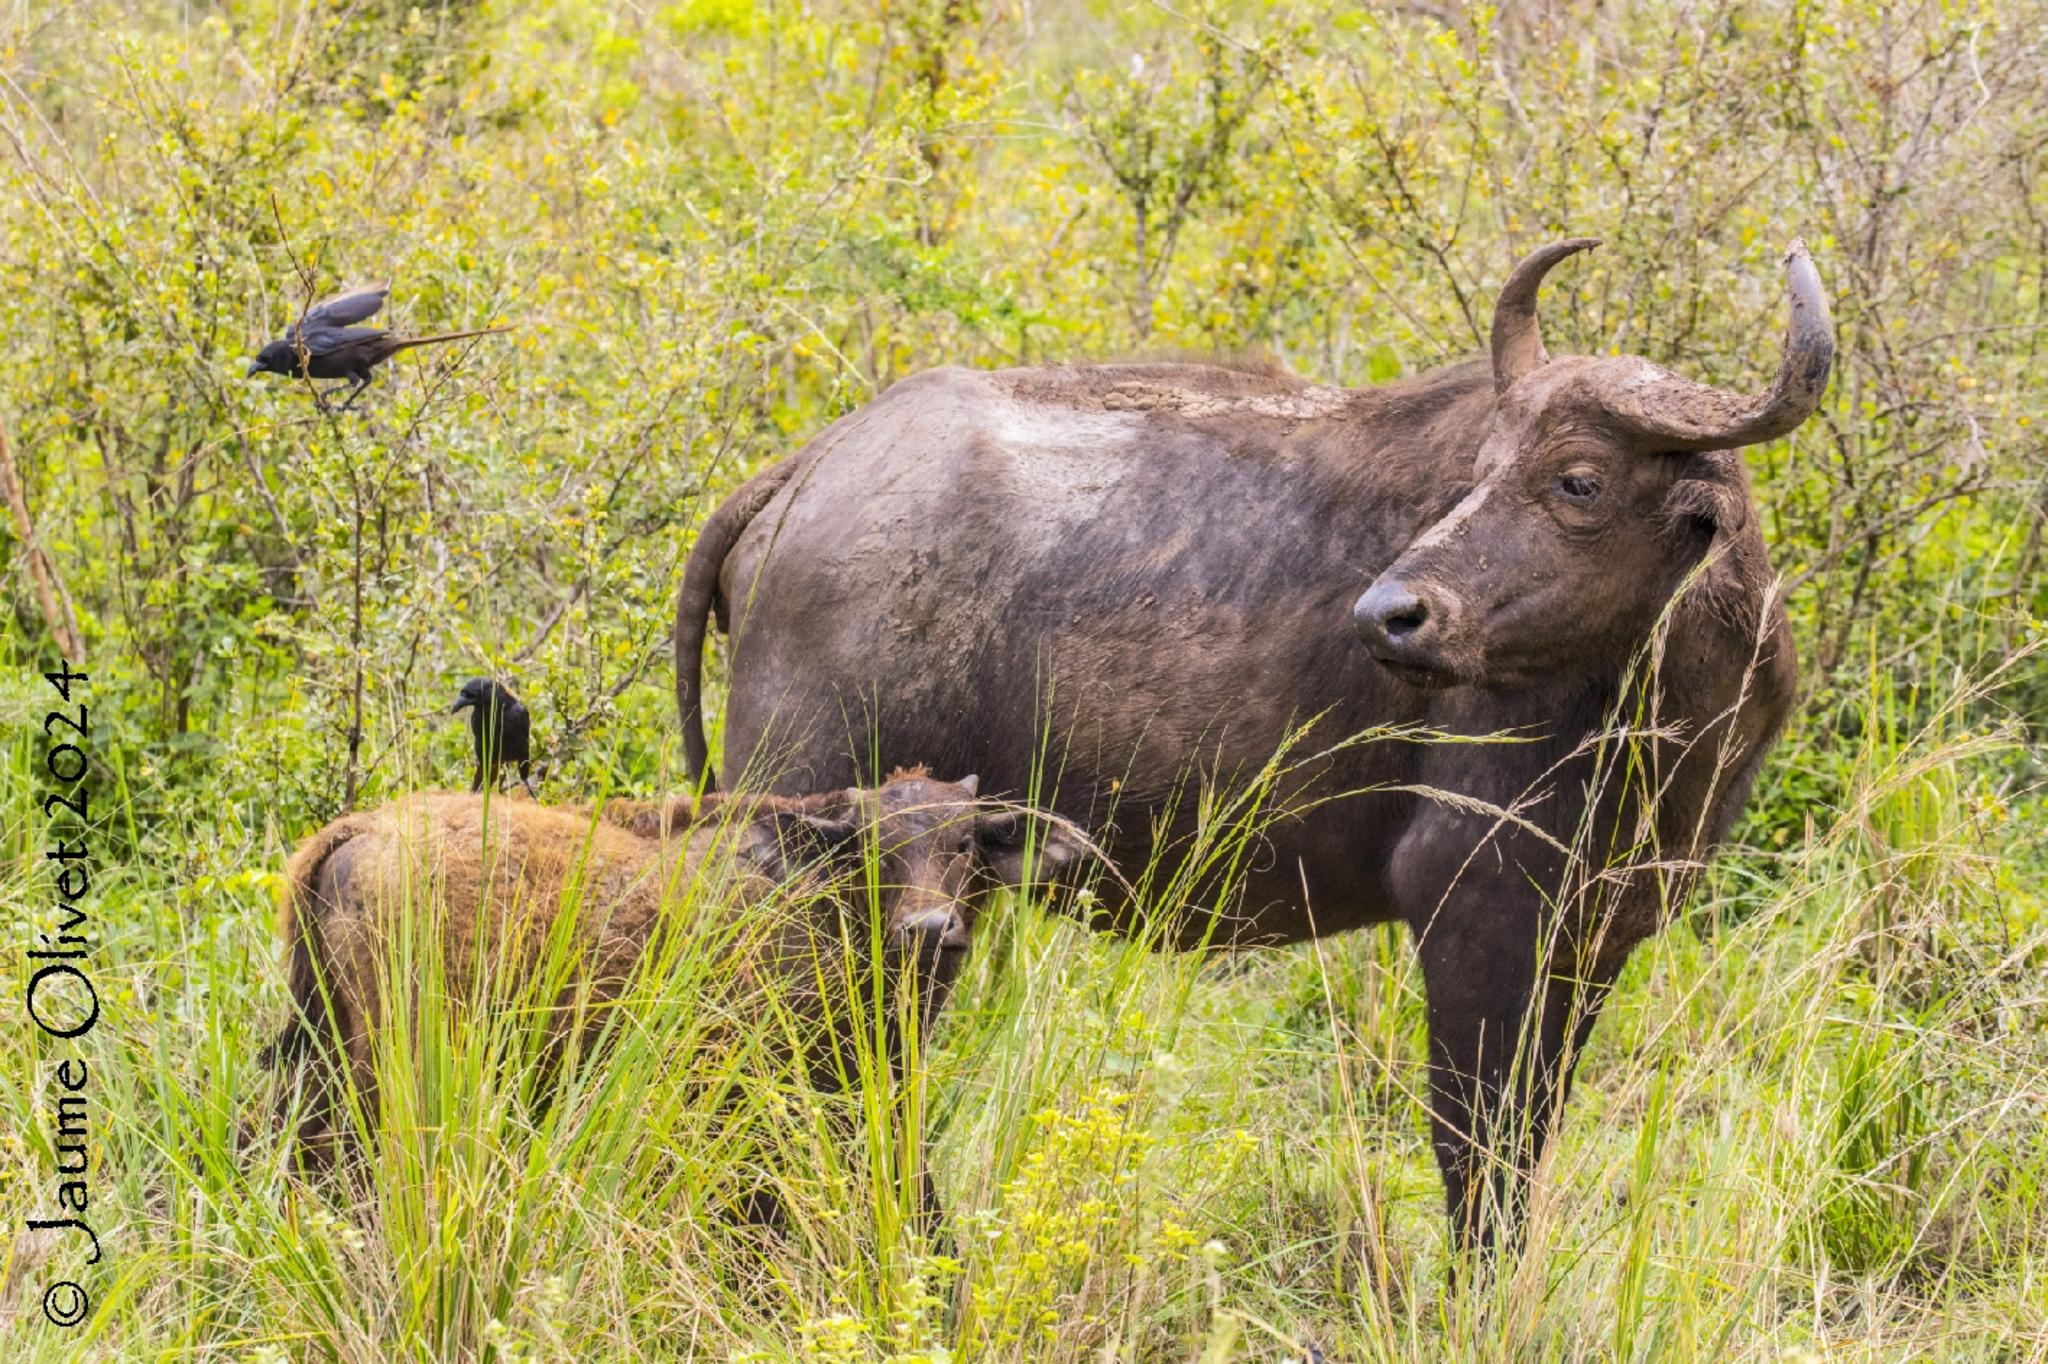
(788, 875)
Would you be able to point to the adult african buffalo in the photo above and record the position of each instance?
(1129, 573)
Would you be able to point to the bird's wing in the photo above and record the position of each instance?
(319, 340)
(350, 305)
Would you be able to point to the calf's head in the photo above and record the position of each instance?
(923, 852)
(1599, 482)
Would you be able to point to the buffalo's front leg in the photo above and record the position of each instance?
(931, 1214)
(1502, 1045)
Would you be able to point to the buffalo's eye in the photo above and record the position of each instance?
(1578, 486)
(966, 845)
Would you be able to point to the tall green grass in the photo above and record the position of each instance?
(1809, 1125)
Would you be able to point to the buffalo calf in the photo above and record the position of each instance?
(791, 886)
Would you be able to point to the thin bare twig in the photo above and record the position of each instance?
(50, 594)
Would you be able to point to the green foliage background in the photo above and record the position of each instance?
(720, 225)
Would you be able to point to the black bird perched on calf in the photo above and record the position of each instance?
(326, 343)
(501, 728)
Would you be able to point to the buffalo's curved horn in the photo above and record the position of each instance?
(1677, 414)
(1517, 335)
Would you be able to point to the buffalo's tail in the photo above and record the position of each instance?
(695, 602)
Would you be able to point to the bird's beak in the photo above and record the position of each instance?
(255, 368)
(462, 703)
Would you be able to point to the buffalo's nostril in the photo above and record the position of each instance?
(1389, 615)
(928, 930)
(1402, 624)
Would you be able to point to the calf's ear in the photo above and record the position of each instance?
(1024, 850)
(792, 841)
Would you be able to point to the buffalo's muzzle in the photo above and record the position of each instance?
(1406, 626)
(929, 931)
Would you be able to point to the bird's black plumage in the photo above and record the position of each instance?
(501, 728)
(326, 343)
(347, 307)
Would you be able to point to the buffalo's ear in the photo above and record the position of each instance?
(1023, 850)
(1711, 495)
(790, 841)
